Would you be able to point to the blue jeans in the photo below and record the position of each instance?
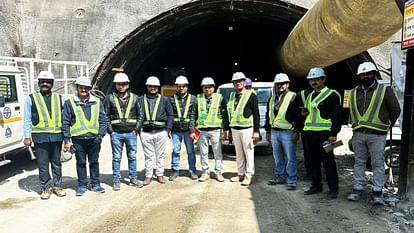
(177, 138)
(48, 154)
(284, 146)
(87, 149)
(117, 142)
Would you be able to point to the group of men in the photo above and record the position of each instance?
(316, 114)
(83, 120)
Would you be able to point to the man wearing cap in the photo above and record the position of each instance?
(156, 129)
(84, 125)
(322, 123)
(213, 123)
(125, 118)
(184, 108)
(42, 125)
(280, 116)
(244, 118)
(374, 109)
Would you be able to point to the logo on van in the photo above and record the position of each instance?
(7, 112)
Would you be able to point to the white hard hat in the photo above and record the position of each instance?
(46, 75)
(121, 78)
(83, 81)
(153, 81)
(316, 72)
(366, 67)
(207, 81)
(281, 78)
(181, 80)
(238, 76)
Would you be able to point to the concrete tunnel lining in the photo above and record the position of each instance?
(197, 36)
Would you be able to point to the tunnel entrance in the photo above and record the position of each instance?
(214, 38)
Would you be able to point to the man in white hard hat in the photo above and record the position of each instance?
(84, 125)
(184, 108)
(42, 125)
(156, 129)
(125, 119)
(280, 118)
(244, 118)
(374, 109)
(213, 123)
(322, 123)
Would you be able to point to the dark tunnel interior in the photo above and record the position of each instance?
(214, 39)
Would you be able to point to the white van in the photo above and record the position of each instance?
(263, 91)
(17, 81)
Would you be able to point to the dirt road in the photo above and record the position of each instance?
(184, 205)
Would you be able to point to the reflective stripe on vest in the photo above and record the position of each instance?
(210, 118)
(236, 114)
(151, 120)
(280, 120)
(48, 122)
(314, 121)
(370, 119)
(182, 117)
(303, 97)
(127, 111)
(83, 125)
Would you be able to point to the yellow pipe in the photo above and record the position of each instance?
(333, 30)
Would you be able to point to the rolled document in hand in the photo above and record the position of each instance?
(32, 156)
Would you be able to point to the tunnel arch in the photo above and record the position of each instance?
(207, 39)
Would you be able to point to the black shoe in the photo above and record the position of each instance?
(332, 194)
(173, 176)
(313, 190)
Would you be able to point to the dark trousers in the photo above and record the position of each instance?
(49, 152)
(314, 140)
(306, 155)
(87, 149)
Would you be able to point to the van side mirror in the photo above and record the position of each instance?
(2, 101)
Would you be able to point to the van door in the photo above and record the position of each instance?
(11, 120)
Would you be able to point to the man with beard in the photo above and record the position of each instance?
(322, 124)
(125, 118)
(42, 125)
(156, 129)
(84, 125)
(373, 109)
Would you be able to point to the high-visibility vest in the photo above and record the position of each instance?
(279, 121)
(82, 124)
(209, 118)
(314, 121)
(302, 96)
(182, 117)
(370, 119)
(48, 122)
(152, 119)
(121, 116)
(236, 116)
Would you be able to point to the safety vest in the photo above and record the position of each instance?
(121, 116)
(314, 121)
(48, 123)
(280, 120)
(182, 117)
(370, 119)
(82, 124)
(209, 118)
(302, 96)
(236, 113)
(149, 120)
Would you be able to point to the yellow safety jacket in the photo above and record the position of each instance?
(279, 121)
(83, 125)
(182, 117)
(236, 116)
(48, 122)
(209, 118)
(370, 119)
(152, 119)
(127, 111)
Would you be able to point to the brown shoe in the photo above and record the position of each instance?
(219, 177)
(204, 177)
(147, 180)
(247, 181)
(238, 178)
(58, 191)
(162, 179)
(46, 194)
